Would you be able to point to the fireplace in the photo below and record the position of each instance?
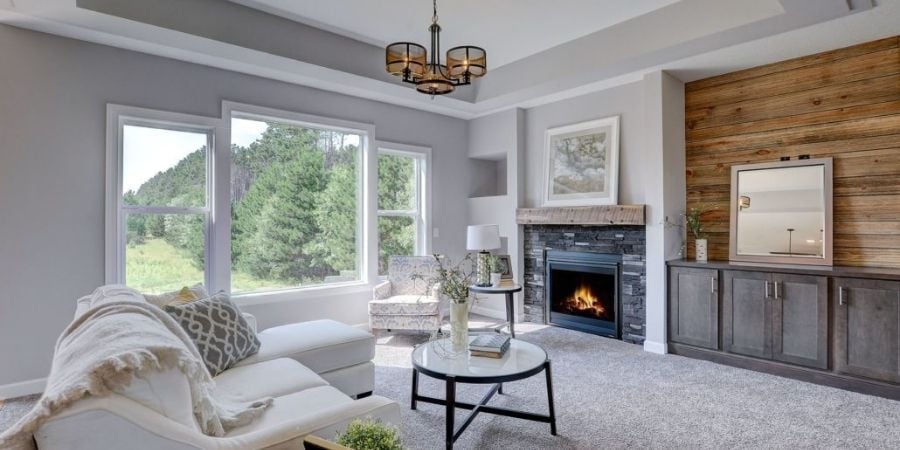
(582, 290)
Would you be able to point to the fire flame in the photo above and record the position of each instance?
(583, 300)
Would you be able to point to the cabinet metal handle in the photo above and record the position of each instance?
(767, 289)
(776, 290)
(712, 285)
(842, 296)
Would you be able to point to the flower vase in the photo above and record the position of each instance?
(700, 250)
(459, 326)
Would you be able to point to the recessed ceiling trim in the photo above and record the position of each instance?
(184, 47)
(61, 17)
(264, 7)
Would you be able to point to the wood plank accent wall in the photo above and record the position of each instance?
(842, 103)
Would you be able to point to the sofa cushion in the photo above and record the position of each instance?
(218, 329)
(287, 408)
(321, 345)
(405, 305)
(273, 378)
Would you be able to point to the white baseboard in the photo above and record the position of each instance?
(655, 347)
(494, 313)
(21, 388)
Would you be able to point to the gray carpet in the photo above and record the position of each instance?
(612, 395)
(12, 409)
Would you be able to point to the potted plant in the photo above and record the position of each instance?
(695, 225)
(454, 285)
(496, 265)
(370, 434)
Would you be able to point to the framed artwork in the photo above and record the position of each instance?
(507, 267)
(581, 164)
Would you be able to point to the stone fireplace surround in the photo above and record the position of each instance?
(626, 240)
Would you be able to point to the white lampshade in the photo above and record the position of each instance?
(483, 237)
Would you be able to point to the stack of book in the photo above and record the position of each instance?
(489, 345)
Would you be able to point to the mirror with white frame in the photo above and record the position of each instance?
(781, 212)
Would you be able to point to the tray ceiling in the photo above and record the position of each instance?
(509, 29)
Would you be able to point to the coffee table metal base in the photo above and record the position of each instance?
(453, 433)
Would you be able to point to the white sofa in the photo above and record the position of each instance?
(314, 370)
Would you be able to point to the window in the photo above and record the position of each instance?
(296, 204)
(401, 206)
(294, 201)
(162, 204)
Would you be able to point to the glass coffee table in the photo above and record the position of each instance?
(521, 361)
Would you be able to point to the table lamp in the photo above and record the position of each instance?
(482, 238)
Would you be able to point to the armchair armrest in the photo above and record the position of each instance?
(382, 291)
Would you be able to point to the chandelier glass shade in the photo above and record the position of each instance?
(414, 64)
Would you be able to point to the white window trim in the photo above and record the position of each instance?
(367, 193)
(116, 117)
(218, 244)
(423, 187)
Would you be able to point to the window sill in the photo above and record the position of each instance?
(300, 294)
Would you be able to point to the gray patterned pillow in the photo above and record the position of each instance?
(218, 329)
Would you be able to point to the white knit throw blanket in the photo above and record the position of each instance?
(118, 337)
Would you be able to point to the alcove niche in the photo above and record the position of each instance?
(488, 176)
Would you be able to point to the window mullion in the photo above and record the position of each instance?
(163, 210)
(398, 213)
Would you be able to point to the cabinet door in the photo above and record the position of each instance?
(746, 328)
(867, 328)
(694, 307)
(800, 319)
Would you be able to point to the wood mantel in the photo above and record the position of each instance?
(582, 215)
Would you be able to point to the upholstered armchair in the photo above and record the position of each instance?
(409, 299)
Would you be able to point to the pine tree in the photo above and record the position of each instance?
(277, 217)
(336, 216)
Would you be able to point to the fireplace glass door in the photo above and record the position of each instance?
(584, 294)
(582, 291)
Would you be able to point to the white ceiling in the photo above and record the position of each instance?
(690, 39)
(508, 29)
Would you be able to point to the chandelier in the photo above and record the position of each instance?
(411, 62)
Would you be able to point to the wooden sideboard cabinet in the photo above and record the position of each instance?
(867, 328)
(838, 326)
(776, 316)
(694, 306)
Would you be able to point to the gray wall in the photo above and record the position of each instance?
(663, 168)
(53, 96)
(624, 101)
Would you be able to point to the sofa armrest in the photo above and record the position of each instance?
(324, 422)
(127, 424)
(381, 291)
(251, 321)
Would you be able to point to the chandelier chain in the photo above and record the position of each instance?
(434, 16)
